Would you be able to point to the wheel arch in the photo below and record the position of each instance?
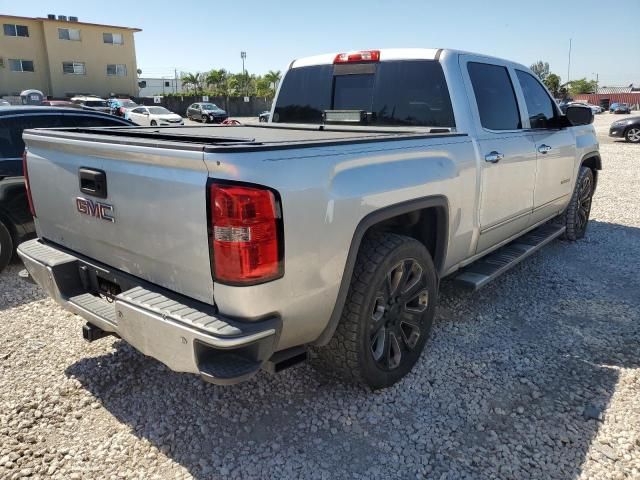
(429, 225)
(594, 162)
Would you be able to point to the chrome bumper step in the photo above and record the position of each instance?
(184, 334)
(486, 269)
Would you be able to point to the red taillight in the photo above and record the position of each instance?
(361, 56)
(245, 234)
(25, 172)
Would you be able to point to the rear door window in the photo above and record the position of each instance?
(495, 97)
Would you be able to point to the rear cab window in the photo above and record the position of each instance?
(394, 93)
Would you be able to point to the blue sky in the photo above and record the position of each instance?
(193, 35)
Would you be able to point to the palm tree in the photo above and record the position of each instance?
(217, 79)
(273, 78)
(192, 81)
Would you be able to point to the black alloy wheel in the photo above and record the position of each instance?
(396, 322)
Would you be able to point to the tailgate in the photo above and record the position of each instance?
(152, 223)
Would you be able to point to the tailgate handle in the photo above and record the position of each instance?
(93, 182)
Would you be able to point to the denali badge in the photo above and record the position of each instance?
(100, 210)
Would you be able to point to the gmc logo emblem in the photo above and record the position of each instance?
(99, 210)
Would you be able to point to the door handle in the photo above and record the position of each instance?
(493, 157)
(544, 148)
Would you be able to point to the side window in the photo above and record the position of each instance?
(11, 143)
(137, 110)
(539, 104)
(495, 96)
(82, 121)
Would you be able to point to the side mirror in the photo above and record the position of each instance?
(579, 115)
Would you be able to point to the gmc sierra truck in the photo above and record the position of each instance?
(221, 250)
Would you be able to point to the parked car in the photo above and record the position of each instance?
(92, 103)
(4, 103)
(121, 106)
(233, 249)
(621, 108)
(629, 129)
(563, 106)
(264, 116)
(206, 112)
(16, 223)
(596, 109)
(60, 103)
(153, 116)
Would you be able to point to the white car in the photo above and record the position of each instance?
(595, 109)
(154, 116)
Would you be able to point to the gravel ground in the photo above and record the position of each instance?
(536, 376)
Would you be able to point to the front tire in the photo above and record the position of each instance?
(576, 216)
(632, 135)
(388, 313)
(6, 246)
(154, 123)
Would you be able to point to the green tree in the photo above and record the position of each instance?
(582, 85)
(192, 81)
(217, 80)
(541, 69)
(263, 88)
(552, 81)
(273, 77)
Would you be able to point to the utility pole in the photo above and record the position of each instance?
(569, 64)
(175, 80)
(243, 55)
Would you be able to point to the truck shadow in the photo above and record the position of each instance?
(515, 383)
(15, 291)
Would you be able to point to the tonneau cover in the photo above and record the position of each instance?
(230, 138)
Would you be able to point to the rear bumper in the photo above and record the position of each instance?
(185, 335)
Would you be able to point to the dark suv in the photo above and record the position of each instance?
(16, 223)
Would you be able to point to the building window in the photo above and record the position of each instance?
(12, 30)
(69, 34)
(117, 69)
(73, 68)
(113, 38)
(19, 65)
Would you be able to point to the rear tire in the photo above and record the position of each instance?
(154, 123)
(576, 216)
(6, 246)
(388, 313)
(632, 135)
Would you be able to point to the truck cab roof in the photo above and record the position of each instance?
(388, 54)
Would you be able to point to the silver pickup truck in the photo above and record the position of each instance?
(221, 250)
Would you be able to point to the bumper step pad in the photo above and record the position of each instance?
(184, 334)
